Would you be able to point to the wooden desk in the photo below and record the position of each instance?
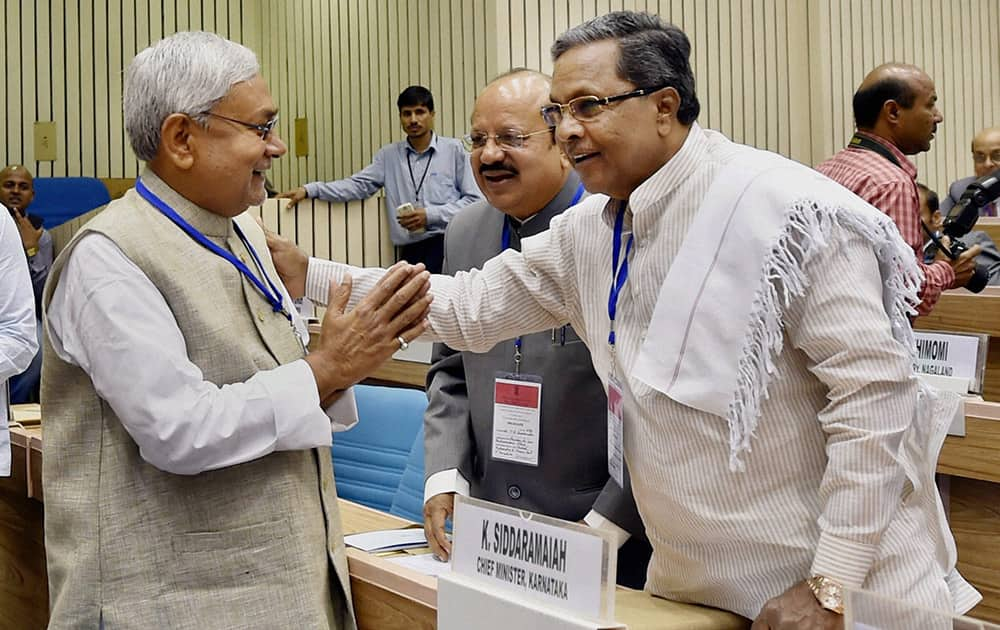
(400, 374)
(390, 597)
(990, 225)
(386, 596)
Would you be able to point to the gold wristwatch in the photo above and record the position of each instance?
(31, 251)
(829, 594)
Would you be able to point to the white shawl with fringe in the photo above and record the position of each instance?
(718, 321)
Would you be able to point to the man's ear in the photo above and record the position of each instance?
(891, 111)
(177, 140)
(668, 101)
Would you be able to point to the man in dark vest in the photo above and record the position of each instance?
(558, 470)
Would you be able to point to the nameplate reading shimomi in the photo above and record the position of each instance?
(951, 354)
(555, 565)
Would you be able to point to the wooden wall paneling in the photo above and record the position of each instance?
(292, 79)
(119, 150)
(102, 90)
(320, 228)
(370, 217)
(11, 59)
(320, 120)
(130, 165)
(975, 520)
(738, 67)
(800, 115)
(85, 136)
(546, 32)
(235, 24)
(269, 212)
(696, 29)
(355, 234)
(42, 87)
(208, 15)
(8, 77)
(367, 36)
(339, 234)
(533, 34)
(74, 118)
(761, 86)
(28, 83)
(302, 220)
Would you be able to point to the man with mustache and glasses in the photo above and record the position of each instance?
(426, 177)
(896, 115)
(749, 319)
(561, 471)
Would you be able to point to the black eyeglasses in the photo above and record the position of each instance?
(507, 140)
(587, 108)
(264, 130)
(980, 158)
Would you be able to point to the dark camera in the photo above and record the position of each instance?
(962, 218)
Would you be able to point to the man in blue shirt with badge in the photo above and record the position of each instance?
(426, 177)
(502, 425)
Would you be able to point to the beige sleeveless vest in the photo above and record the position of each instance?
(248, 546)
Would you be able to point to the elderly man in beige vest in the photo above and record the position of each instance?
(187, 473)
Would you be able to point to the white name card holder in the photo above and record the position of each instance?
(513, 569)
(952, 355)
(865, 610)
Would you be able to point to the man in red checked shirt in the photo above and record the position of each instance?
(896, 114)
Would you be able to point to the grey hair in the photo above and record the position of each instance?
(187, 73)
(652, 52)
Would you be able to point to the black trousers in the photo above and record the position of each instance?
(633, 558)
(429, 251)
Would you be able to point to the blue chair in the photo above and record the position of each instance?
(369, 460)
(409, 500)
(59, 199)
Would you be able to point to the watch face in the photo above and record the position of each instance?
(829, 594)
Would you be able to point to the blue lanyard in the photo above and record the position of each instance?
(618, 274)
(271, 292)
(504, 246)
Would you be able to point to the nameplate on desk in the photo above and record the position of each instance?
(562, 565)
(954, 355)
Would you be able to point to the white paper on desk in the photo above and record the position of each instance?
(424, 563)
(387, 539)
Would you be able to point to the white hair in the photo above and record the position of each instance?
(186, 73)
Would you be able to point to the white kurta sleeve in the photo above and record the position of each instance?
(109, 319)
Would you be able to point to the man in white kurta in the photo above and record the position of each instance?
(815, 458)
(17, 322)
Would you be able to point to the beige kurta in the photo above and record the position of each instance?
(823, 491)
(246, 546)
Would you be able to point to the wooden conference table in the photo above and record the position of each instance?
(386, 596)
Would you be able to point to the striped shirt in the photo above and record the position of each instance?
(892, 189)
(823, 488)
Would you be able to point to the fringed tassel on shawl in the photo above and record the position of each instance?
(809, 231)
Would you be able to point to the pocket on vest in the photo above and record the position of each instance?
(244, 557)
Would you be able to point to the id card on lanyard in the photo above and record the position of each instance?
(517, 405)
(616, 397)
